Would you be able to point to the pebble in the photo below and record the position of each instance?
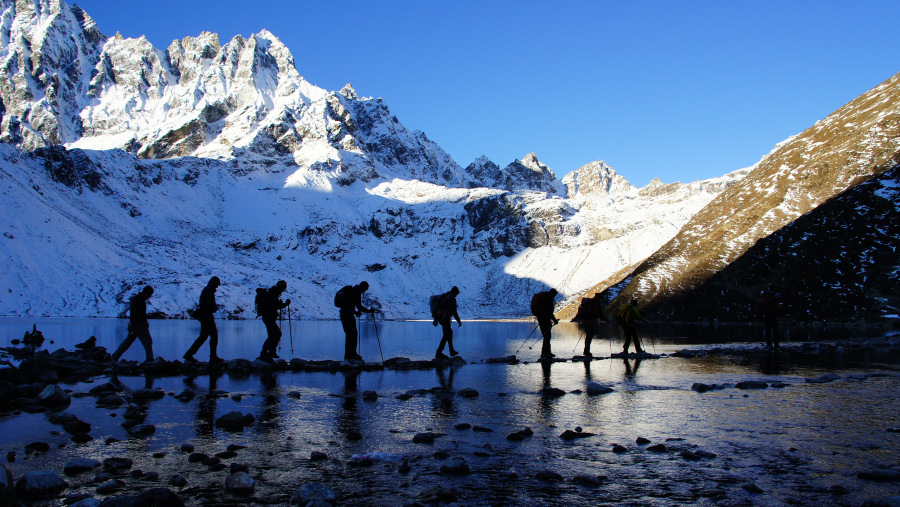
(117, 463)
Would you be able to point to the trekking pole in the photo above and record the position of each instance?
(526, 339)
(375, 323)
(290, 329)
(579, 341)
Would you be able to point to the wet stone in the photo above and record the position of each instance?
(197, 457)
(37, 447)
(619, 449)
(552, 392)
(239, 467)
(879, 475)
(239, 483)
(548, 476)
(426, 437)
(235, 421)
(467, 393)
(481, 429)
(318, 456)
(312, 492)
(226, 454)
(81, 438)
(40, 483)
(79, 465)
(573, 435)
(520, 435)
(455, 466)
(594, 389)
(658, 448)
(117, 463)
(178, 481)
(462, 426)
(187, 448)
(642, 441)
(586, 480)
(752, 384)
(110, 487)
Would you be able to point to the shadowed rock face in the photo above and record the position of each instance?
(858, 142)
(837, 262)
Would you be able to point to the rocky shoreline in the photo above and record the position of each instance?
(30, 384)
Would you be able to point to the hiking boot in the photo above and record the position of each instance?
(189, 359)
(587, 354)
(453, 352)
(215, 360)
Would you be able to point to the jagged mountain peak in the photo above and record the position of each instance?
(596, 179)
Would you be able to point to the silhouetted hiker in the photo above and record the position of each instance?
(205, 310)
(589, 312)
(443, 309)
(268, 303)
(542, 306)
(627, 318)
(349, 300)
(138, 327)
(770, 308)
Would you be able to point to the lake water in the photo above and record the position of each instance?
(803, 444)
(318, 340)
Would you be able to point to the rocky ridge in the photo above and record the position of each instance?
(855, 144)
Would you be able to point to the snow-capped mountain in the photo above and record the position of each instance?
(125, 165)
(857, 143)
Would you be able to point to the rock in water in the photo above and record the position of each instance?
(456, 466)
(53, 395)
(39, 483)
(312, 492)
(594, 389)
(235, 421)
(78, 465)
(239, 483)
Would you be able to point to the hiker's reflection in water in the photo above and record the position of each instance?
(205, 417)
(631, 372)
(270, 415)
(547, 399)
(348, 423)
(443, 398)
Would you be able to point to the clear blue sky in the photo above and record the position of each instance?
(680, 90)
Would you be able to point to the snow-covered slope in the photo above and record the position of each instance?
(125, 164)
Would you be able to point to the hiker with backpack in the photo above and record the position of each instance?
(542, 306)
(349, 300)
(138, 327)
(268, 304)
(443, 309)
(589, 312)
(770, 307)
(627, 318)
(205, 314)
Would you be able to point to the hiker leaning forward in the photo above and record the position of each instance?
(445, 311)
(205, 314)
(272, 303)
(138, 327)
(627, 318)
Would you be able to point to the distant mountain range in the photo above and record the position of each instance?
(123, 165)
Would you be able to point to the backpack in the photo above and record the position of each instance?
(536, 303)
(340, 297)
(434, 303)
(261, 301)
(624, 316)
